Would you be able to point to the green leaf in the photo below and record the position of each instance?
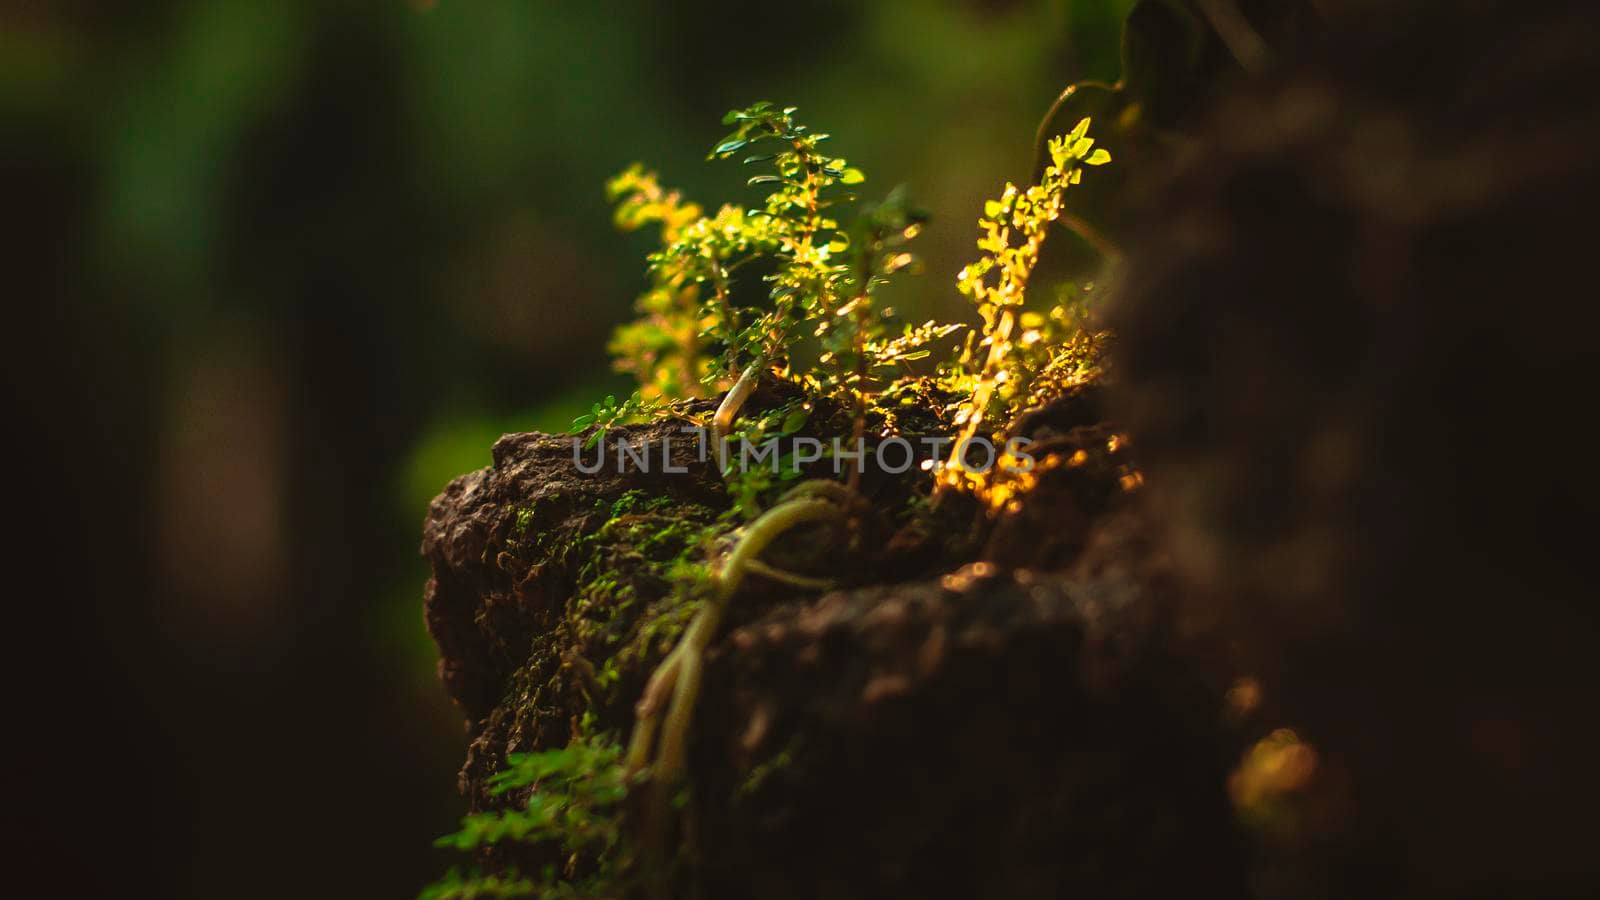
(852, 176)
(729, 146)
(795, 420)
(1098, 158)
(764, 179)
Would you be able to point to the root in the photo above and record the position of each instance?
(822, 489)
(773, 573)
(679, 674)
(647, 712)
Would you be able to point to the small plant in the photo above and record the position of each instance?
(1014, 228)
(823, 287)
(853, 338)
(687, 300)
(572, 809)
(609, 412)
(691, 337)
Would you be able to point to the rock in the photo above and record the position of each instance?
(1013, 721)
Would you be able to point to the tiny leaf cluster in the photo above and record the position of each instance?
(1014, 229)
(690, 338)
(573, 806)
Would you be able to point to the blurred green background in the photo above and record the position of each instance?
(282, 269)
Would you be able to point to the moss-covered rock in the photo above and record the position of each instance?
(990, 697)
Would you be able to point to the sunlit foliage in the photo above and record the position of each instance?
(692, 340)
(1014, 228)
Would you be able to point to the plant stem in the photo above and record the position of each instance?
(859, 426)
(730, 316)
(984, 390)
(728, 410)
(1041, 137)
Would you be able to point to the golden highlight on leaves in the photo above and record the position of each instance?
(691, 339)
(1057, 347)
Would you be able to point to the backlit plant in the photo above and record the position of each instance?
(692, 340)
(662, 348)
(1014, 228)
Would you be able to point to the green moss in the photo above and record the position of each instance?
(636, 578)
(635, 581)
(651, 552)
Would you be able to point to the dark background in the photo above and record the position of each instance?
(279, 269)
